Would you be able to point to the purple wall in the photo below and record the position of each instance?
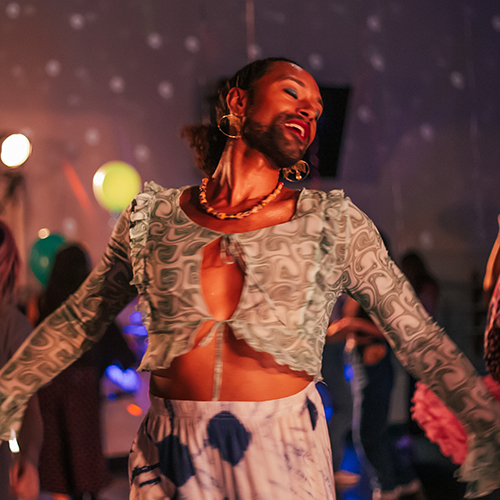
(91, 81)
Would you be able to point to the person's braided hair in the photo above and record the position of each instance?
(206, 140)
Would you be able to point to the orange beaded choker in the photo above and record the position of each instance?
(240, 215)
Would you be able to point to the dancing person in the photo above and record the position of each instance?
(436, 420)
(427, 289)
(392, 475)
(237, 279)
(18, 473)
(491, 287)
(425, 285)
(340, 424)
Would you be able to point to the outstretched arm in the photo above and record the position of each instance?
(68, 332)
(423, 348)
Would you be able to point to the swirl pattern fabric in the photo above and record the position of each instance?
(294, 273)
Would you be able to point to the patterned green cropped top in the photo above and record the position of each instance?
(294, 273)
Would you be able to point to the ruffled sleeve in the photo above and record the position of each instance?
(139, 227)
(424, 349)
(69, 331)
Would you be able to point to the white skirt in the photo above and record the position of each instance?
(233, 450)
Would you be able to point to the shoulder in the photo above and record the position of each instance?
(321, 196)
(153, 190)
(152, 193)
(330, 204)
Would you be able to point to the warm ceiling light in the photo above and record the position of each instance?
(15, 150)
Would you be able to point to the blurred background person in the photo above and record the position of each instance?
(72, 462)
(393, 476)
(427, 289)
(424, 284)
(340, 423)
(18, 473)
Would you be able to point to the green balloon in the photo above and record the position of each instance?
(43, 254)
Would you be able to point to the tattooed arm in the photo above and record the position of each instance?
(423, 348)
(69, 331)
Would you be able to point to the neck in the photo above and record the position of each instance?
(242, 174)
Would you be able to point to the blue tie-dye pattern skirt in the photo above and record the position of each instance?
(218, 450)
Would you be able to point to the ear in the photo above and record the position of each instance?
(237, 101)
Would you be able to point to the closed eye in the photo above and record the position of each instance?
(292, 92)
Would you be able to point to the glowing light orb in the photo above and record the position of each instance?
(127, 380)
(115, 184)
(15, 150)
(134, 410)
(43, 233)
(13, 444)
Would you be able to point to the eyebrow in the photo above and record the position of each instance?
(301, 83)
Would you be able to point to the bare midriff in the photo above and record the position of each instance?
(247, 375)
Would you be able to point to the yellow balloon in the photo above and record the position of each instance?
(115, 185)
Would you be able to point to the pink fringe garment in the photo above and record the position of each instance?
(440, 424)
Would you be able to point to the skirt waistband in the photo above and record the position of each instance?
(248, 409)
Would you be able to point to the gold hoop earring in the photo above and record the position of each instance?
(300, 171)
(233, 125)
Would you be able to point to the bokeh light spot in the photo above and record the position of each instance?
(77, 21)
(457, 80)
(166, 90)
(13, 10)
(427, 132)
(142, 153)
(495, 21)
(155, 40)
(377, 62)
(15, 150)
(255, 51)
(365, 114)
(316, 61)
(69, 226)
(192, 44)
(134, 410)
(117, 84)
(43, 233)
(374, 24)
(92, 137)
(53, 68)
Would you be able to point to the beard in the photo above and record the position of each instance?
(271, 141)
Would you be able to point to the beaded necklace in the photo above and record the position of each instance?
(239, 215)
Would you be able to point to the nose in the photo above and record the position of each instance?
(306, 110)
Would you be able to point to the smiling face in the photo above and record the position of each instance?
(282, 114)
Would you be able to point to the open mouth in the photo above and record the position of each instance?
(299, 127)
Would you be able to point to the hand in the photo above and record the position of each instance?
(339, 330)
(24, 480)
